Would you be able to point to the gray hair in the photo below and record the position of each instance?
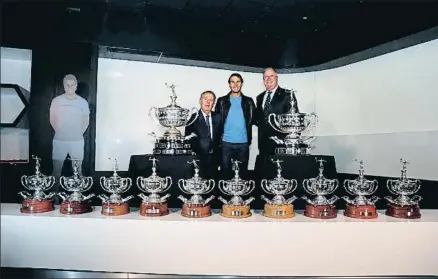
(71, 78)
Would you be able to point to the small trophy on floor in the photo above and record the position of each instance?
(236, 187)
(320, 207)
(38, 202)
(403, 206)
(115, 205)
(154, 205)
(361, 207)
(279, 206)
(76, 203)
(196, 206)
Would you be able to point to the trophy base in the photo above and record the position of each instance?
(405, 212)
(172, 147)
(320, 211)
(236, 211)
(73, 208)
(115, 209)
(279, 211)
(301, 149)
(154, 209)
(196, 211)
(361, 211)
(33, 206)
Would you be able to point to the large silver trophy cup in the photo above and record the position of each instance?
(361, 207)
(236, 188)
(279, 206)
(320, 207)
(300, 130)
(115, 205)
(76, 202)
(403, 206)
(172, 116)
(154, 204)
(196, 206)
(38, 201)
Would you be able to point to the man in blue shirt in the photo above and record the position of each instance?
(238, 115)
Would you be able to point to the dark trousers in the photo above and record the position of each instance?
(235, 151)
(208, 165)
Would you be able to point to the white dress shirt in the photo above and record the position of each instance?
(210, 122)
(266, 95)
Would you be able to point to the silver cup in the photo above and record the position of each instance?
(361, 187)
(76, 184)
(403, 188)
(38, 183)
(300, 130)
(154, 185)
(279, 187)
(236, 187)
(115, 185)
(320, 186)
(196, 186)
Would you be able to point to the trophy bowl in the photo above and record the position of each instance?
(320, 207)
(196, 206)
(75, 203)
(115, 205)
(236, 187)
(403, 206)
(153, 204)
(38, 201)
(361, 207)
(278, 206)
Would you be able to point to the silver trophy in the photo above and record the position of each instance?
(38, 183)
(236, 187)
(76, 184)
(172, 116)
(321, 187)
(115, 185)
(196, 186)
(154, 185)
(279, 187)
(361, 187)
(403, 188)
(300, 130)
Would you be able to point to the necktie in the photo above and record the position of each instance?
(207, 120)
(267, 104)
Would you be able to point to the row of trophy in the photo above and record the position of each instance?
(195, 206)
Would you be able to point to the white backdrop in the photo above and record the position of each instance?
(379, 110)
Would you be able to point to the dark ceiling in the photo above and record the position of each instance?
(256, 33)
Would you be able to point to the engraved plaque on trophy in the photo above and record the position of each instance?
(196, 206)
(75, 203)
(279, 206)
(173, 116)
(236, 187)
(320, 207)
(361, 207)
(38, 201)
(115, 205)
(154, 205)
(299, 127)
(403, 206)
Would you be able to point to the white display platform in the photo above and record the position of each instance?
(257, 246)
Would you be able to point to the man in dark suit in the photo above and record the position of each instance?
(273, 100)
(208, 130)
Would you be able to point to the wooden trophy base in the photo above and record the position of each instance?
(279, 211)
(73, 208)
(361, 211)
(154, 209)
(32, 206)
(405, 212)
(115, 209)
(196, 211)
(320, 211)
(236, 211)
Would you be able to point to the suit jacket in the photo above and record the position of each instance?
(202, 144)
(280, 103)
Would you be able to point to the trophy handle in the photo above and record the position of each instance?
(389, 186)
(195, 112)
(62, 182)
(264, 185)
(211, 184)
(128, 182)
(154, 115)
(24, 181)
(294, 184)
(168, 183)
(336, 184)
(221, 187)
(48, 182)
(180, 185)
(251, 187)
(88, 183)
(347, 187)
(140, 182)
(102, 182)
(275, 121)
(307, 186)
